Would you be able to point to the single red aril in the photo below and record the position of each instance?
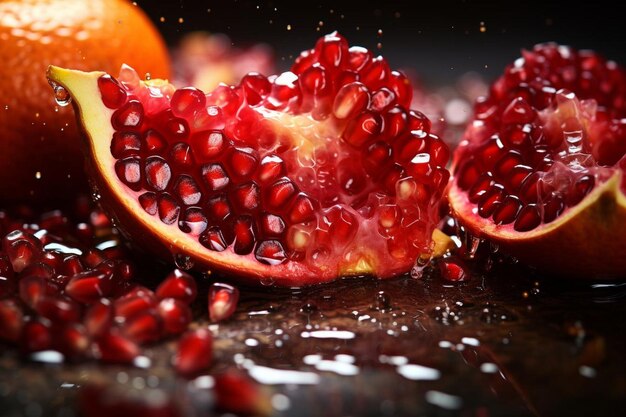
(237, 393)
(194, 353)
(72, 340)
(176, 316)
(144, 327)
(58, 309)
(98, 317)
(89, 286)
(239, 178)
(453, 270)
(112, 347)
(32, 289)
(223, 299)
(128, 306)
(178, 284)
(36, 335)
(11, 320)
(22, 249)
(540, 171)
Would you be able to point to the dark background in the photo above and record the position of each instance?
(440, 39)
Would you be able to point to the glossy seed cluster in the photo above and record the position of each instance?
(300, 166)
(68, 285)
(552, 126)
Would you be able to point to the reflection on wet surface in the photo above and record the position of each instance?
(501, 343)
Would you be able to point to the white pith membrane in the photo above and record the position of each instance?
(362, 254)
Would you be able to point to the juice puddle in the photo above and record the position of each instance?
(500, 343)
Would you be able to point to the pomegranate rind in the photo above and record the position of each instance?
(166, 241)
(588, 241)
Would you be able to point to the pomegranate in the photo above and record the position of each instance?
(540, 171)
(295, 179)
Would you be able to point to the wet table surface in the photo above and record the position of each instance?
(505, 342)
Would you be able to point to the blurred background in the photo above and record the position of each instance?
(440, 39)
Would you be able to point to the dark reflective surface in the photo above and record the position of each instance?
(503, 343)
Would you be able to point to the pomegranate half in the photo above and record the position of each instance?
(300, 178)
(541, 168)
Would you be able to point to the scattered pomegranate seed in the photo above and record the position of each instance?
(195, 352)
(11, 320)
(178, 284)
(453, 270)
(236, 393)
(223, 299)
(176, 316)
(112, 347)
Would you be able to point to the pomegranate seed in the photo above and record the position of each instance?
(280, 193)
(128, 170)
(215, 177)
(351, 100)
(187, 101)
(213, 239)
(11, 320)
(89, 286)
(506, 212)
(187, 189)
(453, 270)
(99, 317)
(129, 116)
(129, 306)
(247, 196)
(72, 340)
(36, 335)
(178, 284)
(113, 94)
(112, 347)
(182, 155)
(302, 209)
(243, 162)
(125, 144)
(236, 393)
(144, 327)
(362, 129)
(58, 309)
(272, 167)
(168, 209)
(527, 219)
(270, 252)
(32, 289)
(93, 257)
(195, 352)
(244, 235)
(256, 87)
(21, 248)
(175, 314)
(153, 142)
(272, 225)
(208, 145)
(158, 173)
(223, 299)
(149, 202)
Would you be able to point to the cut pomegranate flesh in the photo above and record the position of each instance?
(281, 176)
(544, 137)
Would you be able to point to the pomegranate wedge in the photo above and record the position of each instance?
(294, 179)
(541, 169)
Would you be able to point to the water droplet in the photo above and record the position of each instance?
(61, 96)
(383, 301)
(308, 308)
(267, 281)
(183, 262)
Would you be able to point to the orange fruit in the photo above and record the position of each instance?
(40, 159)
